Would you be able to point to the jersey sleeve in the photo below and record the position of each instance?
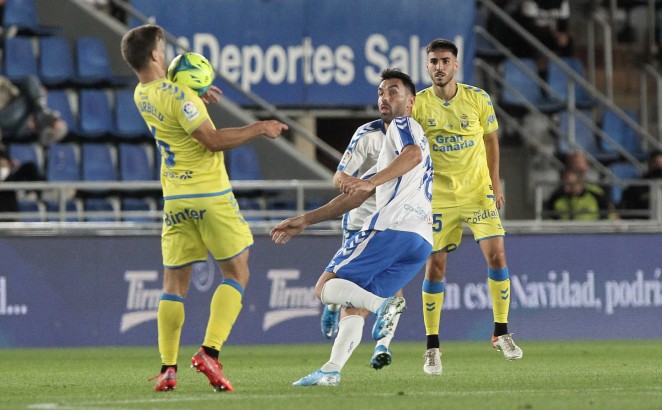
(355, 154)
(190, 110)
(401, 132)
(487, 116)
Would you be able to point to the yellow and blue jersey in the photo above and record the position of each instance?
(172, 113)
(455, 131)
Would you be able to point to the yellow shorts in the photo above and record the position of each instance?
(192, 226)
(482, 218)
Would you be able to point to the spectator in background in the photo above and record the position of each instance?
(547, 20)
(13, 171)
(23, 110)
(575, 201)
(579, 162)
(637, 197)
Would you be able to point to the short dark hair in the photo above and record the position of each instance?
(442, 44)
(395, 73)
(138, 44)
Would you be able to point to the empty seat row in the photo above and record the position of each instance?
(56, 66)
(91, 161)
(107, 209)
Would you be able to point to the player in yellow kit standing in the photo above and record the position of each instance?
(461, 127)
(200, 211)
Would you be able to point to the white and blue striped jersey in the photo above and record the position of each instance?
(361, 155)
(404, 203)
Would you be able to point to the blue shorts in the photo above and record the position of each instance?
(381, 262)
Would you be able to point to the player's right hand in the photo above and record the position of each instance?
(273, 128)
(286, 230)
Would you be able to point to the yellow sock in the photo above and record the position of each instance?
(498, 280)
(225, 307)
(170, 319)
(433, 298)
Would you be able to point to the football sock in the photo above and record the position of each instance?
(170, 319)
(433, 342)
(346, 293)
(165, 367)
(211, 352)
(500, 329)
(386, 340)
(498, 281)
(350, 331)
(225, 307)
(433, 299)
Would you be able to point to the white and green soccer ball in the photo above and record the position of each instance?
(192, 70)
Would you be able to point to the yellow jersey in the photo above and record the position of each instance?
(455, 131)
(172, 113)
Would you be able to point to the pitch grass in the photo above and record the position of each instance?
(552, 375)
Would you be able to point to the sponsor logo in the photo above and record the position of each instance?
(183, 215)
(7, 309)
(141, 303)
(190, 110)
(482, 215)
(288, 302)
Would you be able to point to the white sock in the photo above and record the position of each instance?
(346, 293)
(386, 340)
(350, 331)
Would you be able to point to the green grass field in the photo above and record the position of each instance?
(552, 375)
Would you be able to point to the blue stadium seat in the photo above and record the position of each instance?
(138, 204)
(33, 210)
(128, 121)
(93, 64)
(558, 81)
(19, 59)
(584, 137)
(72, 209)
(246, 205)
(622, 133)
(22, 14)
(94, 113)
(243, 163)
(623, 170)
(525, 85)
(26, 153)
(135, 163)
(59, 100)
(100, 205)
(56, 63)
(63, 163)
(99, 162)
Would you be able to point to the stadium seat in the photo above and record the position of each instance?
(56, 63)
(585, 137)
(19, 59)
(59, 100)
(100, 205)
(93, 65)
(529, 88)
(135, 163)
(99, 162)
(622, 133)
(243, 163)
(22, 15)
(34, 210)
(26, 153)
(71, 207)
(138, 204)
(63, 162)
(623, 170)
(249, 205)
(94, 114)
(128, 122)
(558, 81)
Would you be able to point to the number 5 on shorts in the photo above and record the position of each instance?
(436, 222)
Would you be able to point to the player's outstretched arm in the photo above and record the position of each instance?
(291, 227)
(410, 156)
(212, 96)
(228, 138)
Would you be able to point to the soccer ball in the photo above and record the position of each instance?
(192, 70)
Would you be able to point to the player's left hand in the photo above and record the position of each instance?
(499, 198)
(212, 96)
